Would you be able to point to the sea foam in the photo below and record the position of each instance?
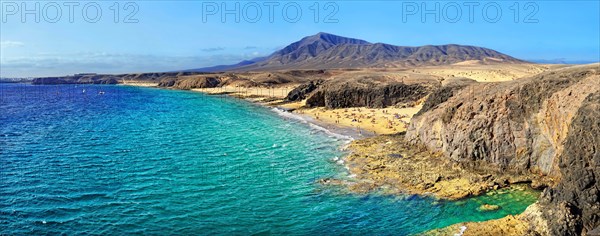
(312, 125)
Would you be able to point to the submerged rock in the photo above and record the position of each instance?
(488, 207)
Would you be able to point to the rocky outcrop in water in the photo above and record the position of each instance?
(544, 125)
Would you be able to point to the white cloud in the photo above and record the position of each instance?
(213, 49)
(11, 44)
(51, 64)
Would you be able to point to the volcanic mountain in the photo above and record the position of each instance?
(328, 51)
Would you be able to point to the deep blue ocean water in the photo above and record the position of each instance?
(151, 161)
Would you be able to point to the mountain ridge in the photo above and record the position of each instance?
(329, 51)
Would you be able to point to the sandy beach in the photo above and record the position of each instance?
(374, 121)
(140, 83)
(360, 121)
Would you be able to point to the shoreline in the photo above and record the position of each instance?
(484, 182)
(326, 127)
(261, 97)
(349, 133)
(435, 181)
(140, 84)
(370, 121)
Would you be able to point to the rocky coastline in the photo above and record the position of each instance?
(546, 125)
(467, 139)
(470, 138)
(391, 164)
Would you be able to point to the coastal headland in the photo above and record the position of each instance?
(450, 125)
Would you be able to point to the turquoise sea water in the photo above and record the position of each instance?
(151, 161)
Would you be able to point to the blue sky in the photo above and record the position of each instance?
(172, 35)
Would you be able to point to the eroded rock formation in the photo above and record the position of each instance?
(365, 93)
(302, 91)
(544, 125)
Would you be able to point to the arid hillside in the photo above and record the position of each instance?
(328, 51)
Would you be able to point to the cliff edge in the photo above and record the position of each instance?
(545, 125)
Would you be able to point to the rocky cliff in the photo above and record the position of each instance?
(248, 79)
(576, 197)
(303, 90)
(544, 125)
(366, 92)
